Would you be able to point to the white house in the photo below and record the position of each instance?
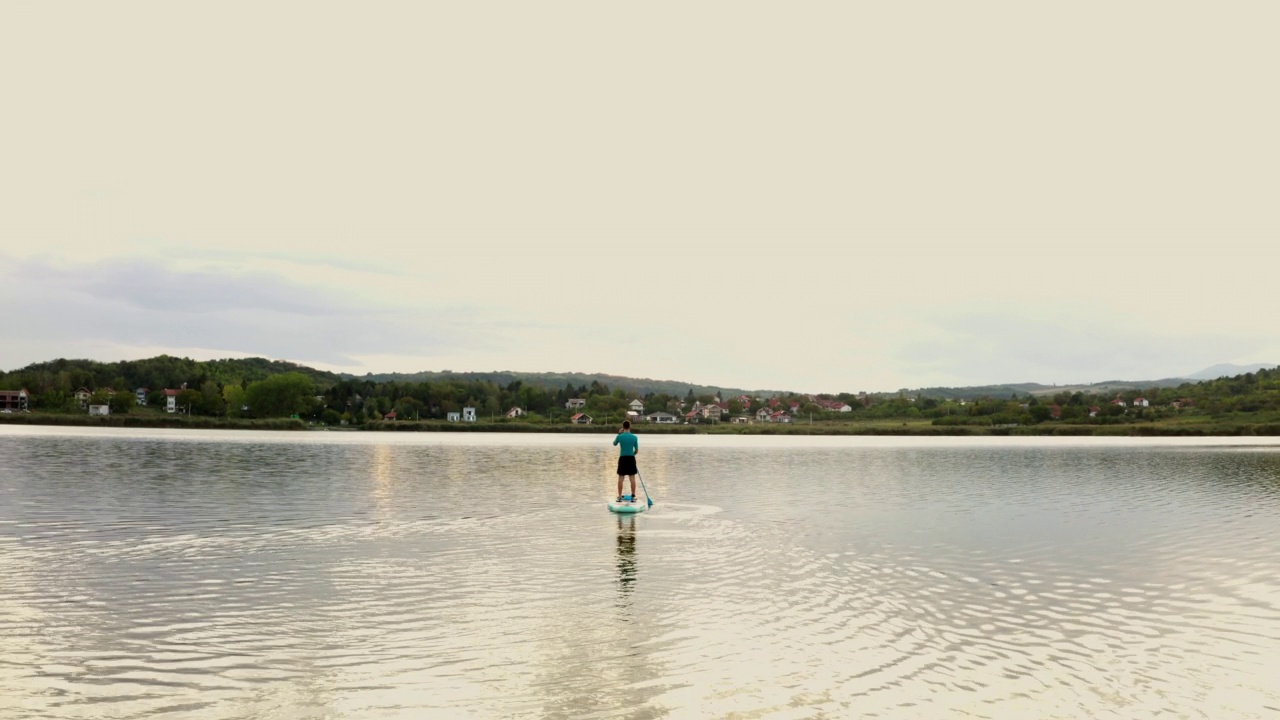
(712, 411)
(82, 397)
(468, 414)
(453, 416)
(170, 400)
(99, 409)
(581, 419)
(662, 418)
(637, 406)
(515, 412)
(575, 404)
(140, 395)
(763, 414)
(1141, 402)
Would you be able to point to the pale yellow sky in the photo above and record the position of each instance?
(824, 197)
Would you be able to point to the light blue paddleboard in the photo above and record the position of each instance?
(628, 506)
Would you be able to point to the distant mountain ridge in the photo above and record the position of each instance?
(556, 381)
(1228, 370)
(1105, 386)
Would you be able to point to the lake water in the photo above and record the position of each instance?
(149, 574)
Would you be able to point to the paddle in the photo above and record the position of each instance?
(646, 490)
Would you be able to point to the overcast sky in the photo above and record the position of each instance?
(813, 196)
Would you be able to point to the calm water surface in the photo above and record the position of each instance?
(150, 574)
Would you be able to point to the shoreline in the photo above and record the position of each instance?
(1211, 428)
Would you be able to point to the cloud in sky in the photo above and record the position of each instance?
(836, 198)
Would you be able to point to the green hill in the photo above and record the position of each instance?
(154, 373)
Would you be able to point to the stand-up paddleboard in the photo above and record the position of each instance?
(629, 504)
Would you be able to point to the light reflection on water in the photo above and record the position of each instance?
(247, 575)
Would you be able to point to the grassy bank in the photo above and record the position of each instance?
(1202, 426)
(152, 421)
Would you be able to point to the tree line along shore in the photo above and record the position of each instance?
(262, 394)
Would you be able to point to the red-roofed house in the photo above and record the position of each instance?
(580, 419)
(14, 399)
(171, 400)
(1141, 402)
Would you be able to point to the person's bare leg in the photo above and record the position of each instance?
(619, 486)
(633, 487)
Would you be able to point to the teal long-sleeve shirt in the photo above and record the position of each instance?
(628, 443)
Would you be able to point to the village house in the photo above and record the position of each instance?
(468, 414)
(390, 416)
(82, 396)
(99, 409)
(662, 418)
(740, 420)
(580, 419)
(515, 412)
(1094, 410)
(693, 416)
(637, 406)
(15, 400)
(780, 417)
(763, 414)
(1055, 412)
(140, 396)
(1141, 402)
(575, 404)
(453, 416)
(170, 400)
(712, 412)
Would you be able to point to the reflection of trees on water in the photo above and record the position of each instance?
(626, 559)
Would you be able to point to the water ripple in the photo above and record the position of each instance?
(249, 576)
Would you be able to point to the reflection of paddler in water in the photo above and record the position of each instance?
(626, 553)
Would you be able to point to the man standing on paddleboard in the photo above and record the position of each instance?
(629, 445)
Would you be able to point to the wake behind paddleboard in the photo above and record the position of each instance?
(628, 506)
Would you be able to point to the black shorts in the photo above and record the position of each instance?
(627, 465)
